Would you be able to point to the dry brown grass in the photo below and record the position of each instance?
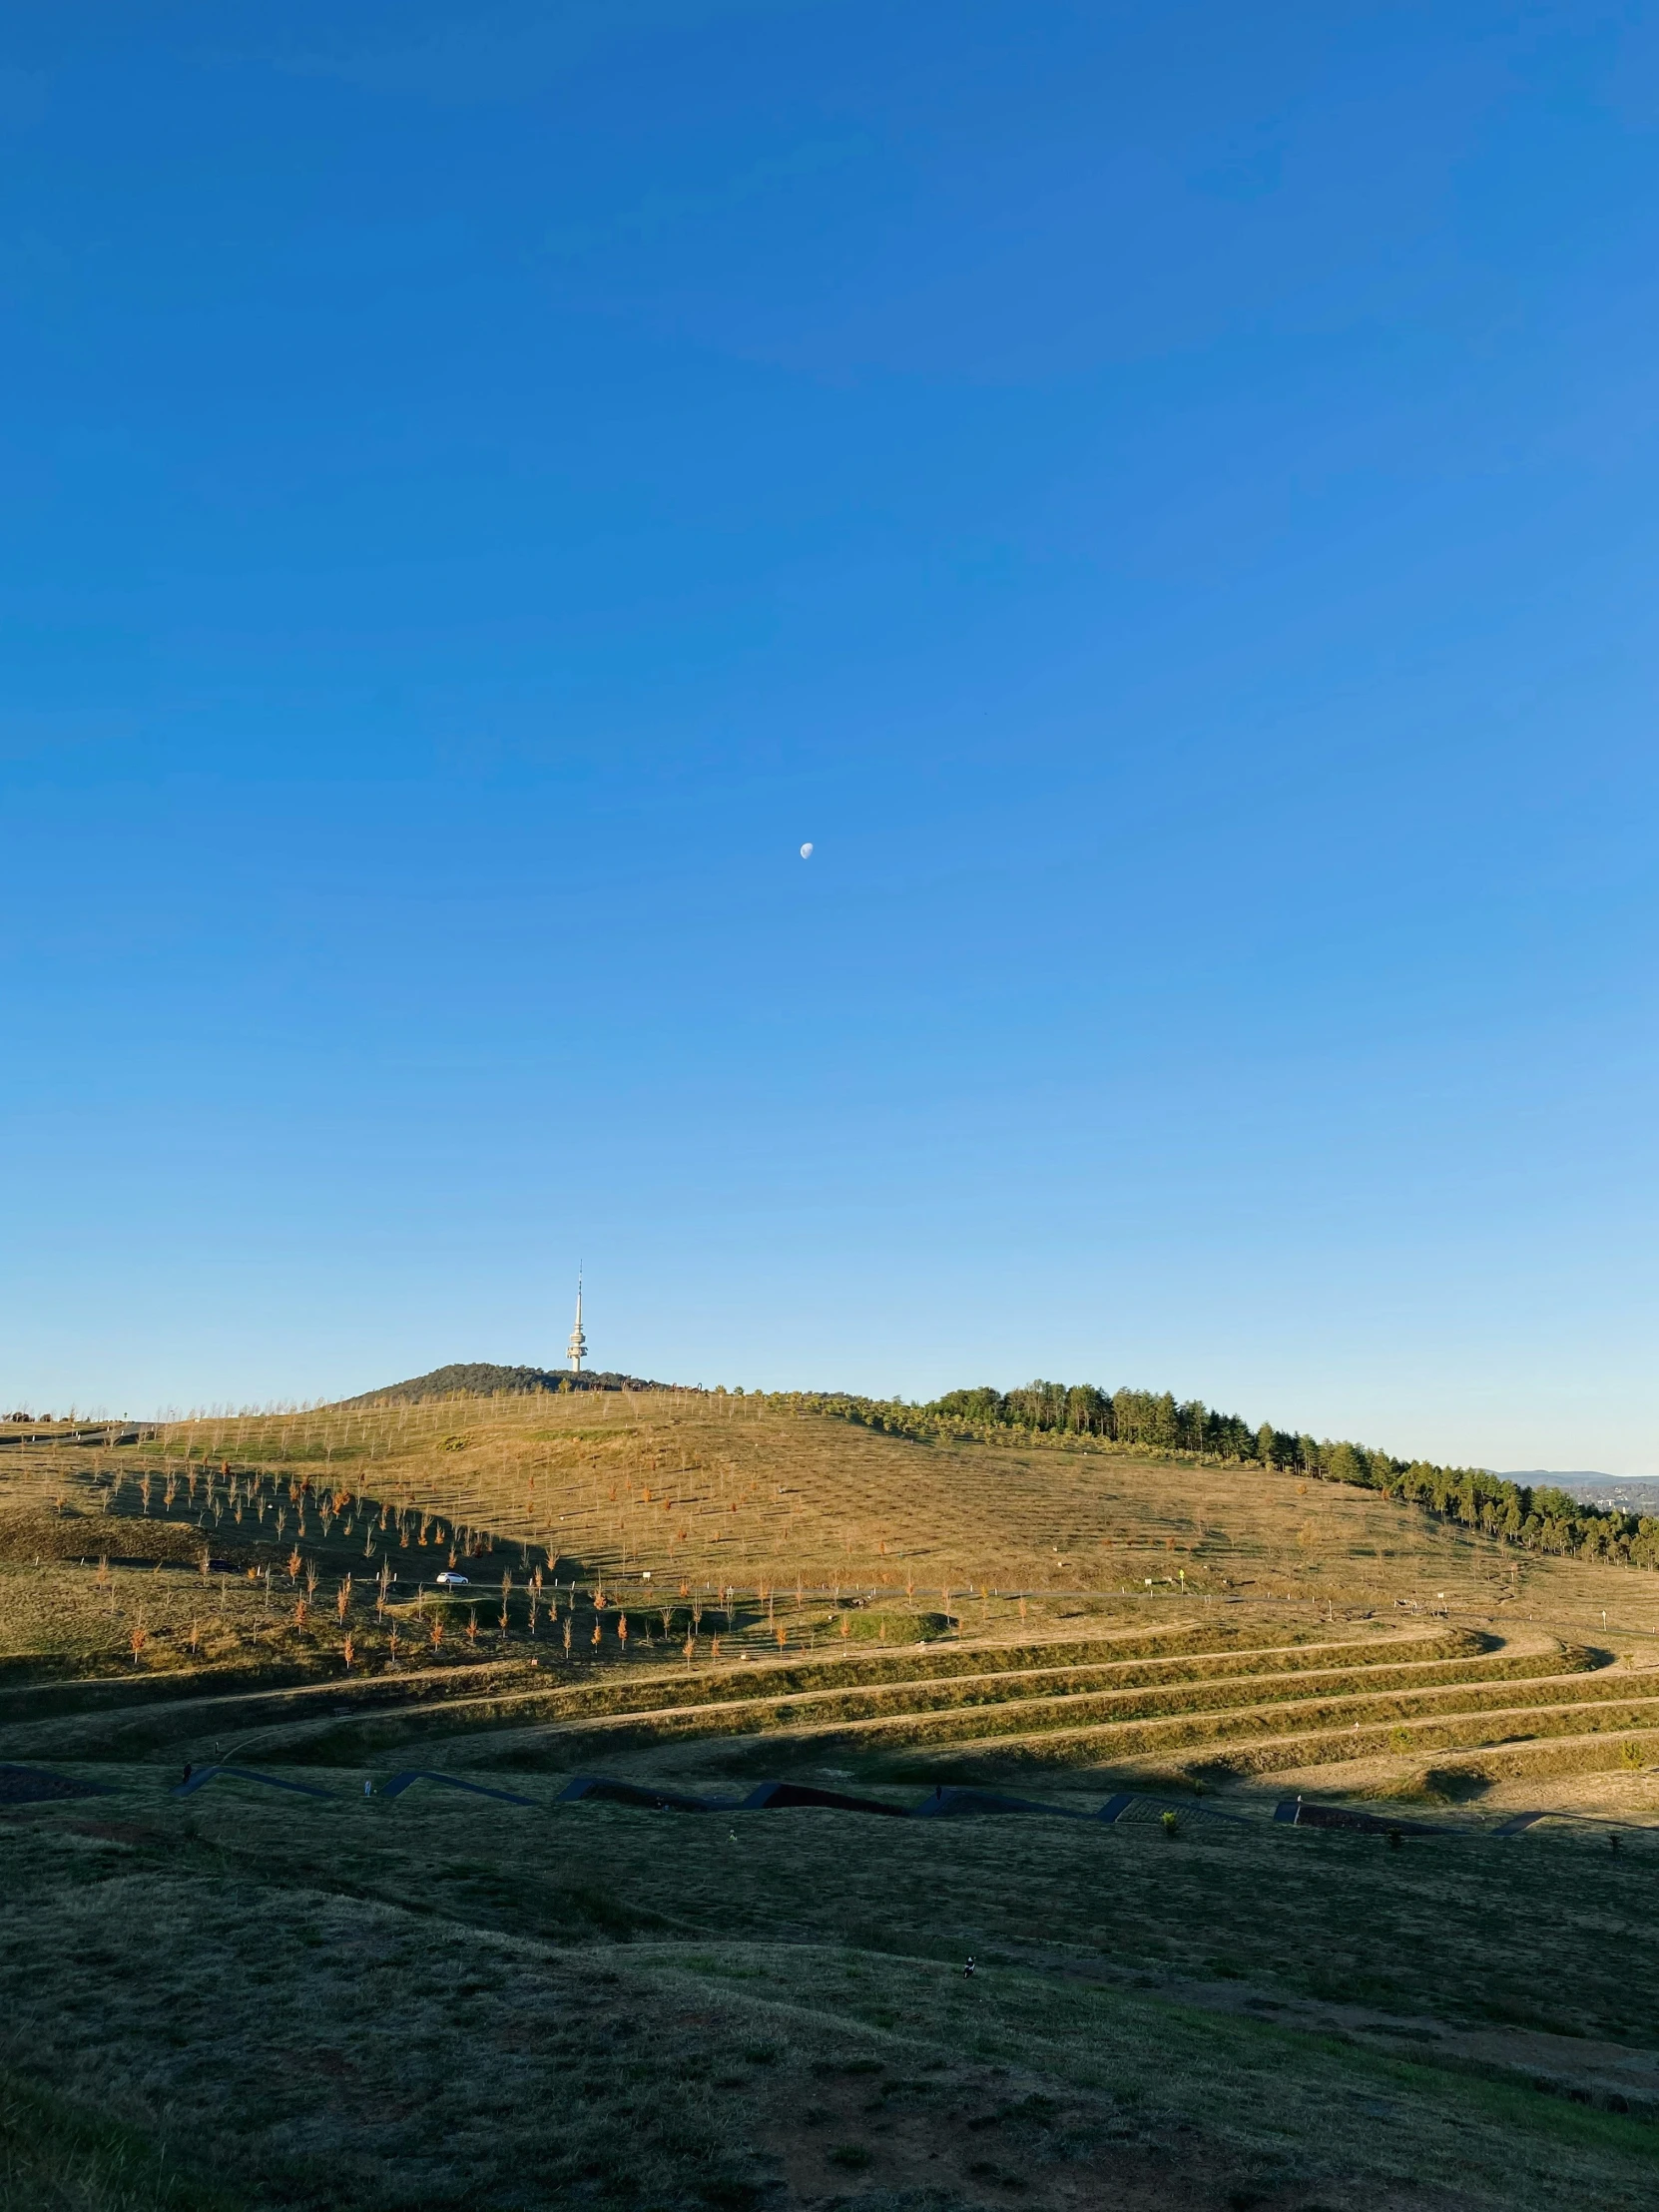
(726, 1491)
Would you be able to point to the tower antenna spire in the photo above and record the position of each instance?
(578, 1346)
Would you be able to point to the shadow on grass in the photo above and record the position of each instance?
(57, 2157)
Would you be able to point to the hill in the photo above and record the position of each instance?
(943, 1689)
(1538, 1517)
(481, 1378)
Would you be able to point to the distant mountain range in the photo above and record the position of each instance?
(1633, 1493)
(479, 1378)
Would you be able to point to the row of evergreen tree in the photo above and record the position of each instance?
(1539, 1518)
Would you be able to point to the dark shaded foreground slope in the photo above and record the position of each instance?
(351, 2002)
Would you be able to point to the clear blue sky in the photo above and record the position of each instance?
(1166, 500)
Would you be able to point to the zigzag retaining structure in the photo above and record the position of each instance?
(1305, 1813)
(203, 1775)
(1131, 1806)
(402, 1782)
(39, 1784)
(767, 1796)
(943, 1803)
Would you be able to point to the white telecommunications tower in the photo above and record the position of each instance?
(578, 1347)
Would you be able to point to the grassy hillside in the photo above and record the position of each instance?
(310, 1996)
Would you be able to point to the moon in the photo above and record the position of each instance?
(807, 850)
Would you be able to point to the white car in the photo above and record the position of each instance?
(449, 1580)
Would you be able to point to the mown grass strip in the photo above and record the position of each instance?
(795, 1711)
(1252, 1748)
(385, 1713)
(1209, 1715)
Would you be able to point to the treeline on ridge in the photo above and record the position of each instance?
(484, 1379)
(1539, 1518)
